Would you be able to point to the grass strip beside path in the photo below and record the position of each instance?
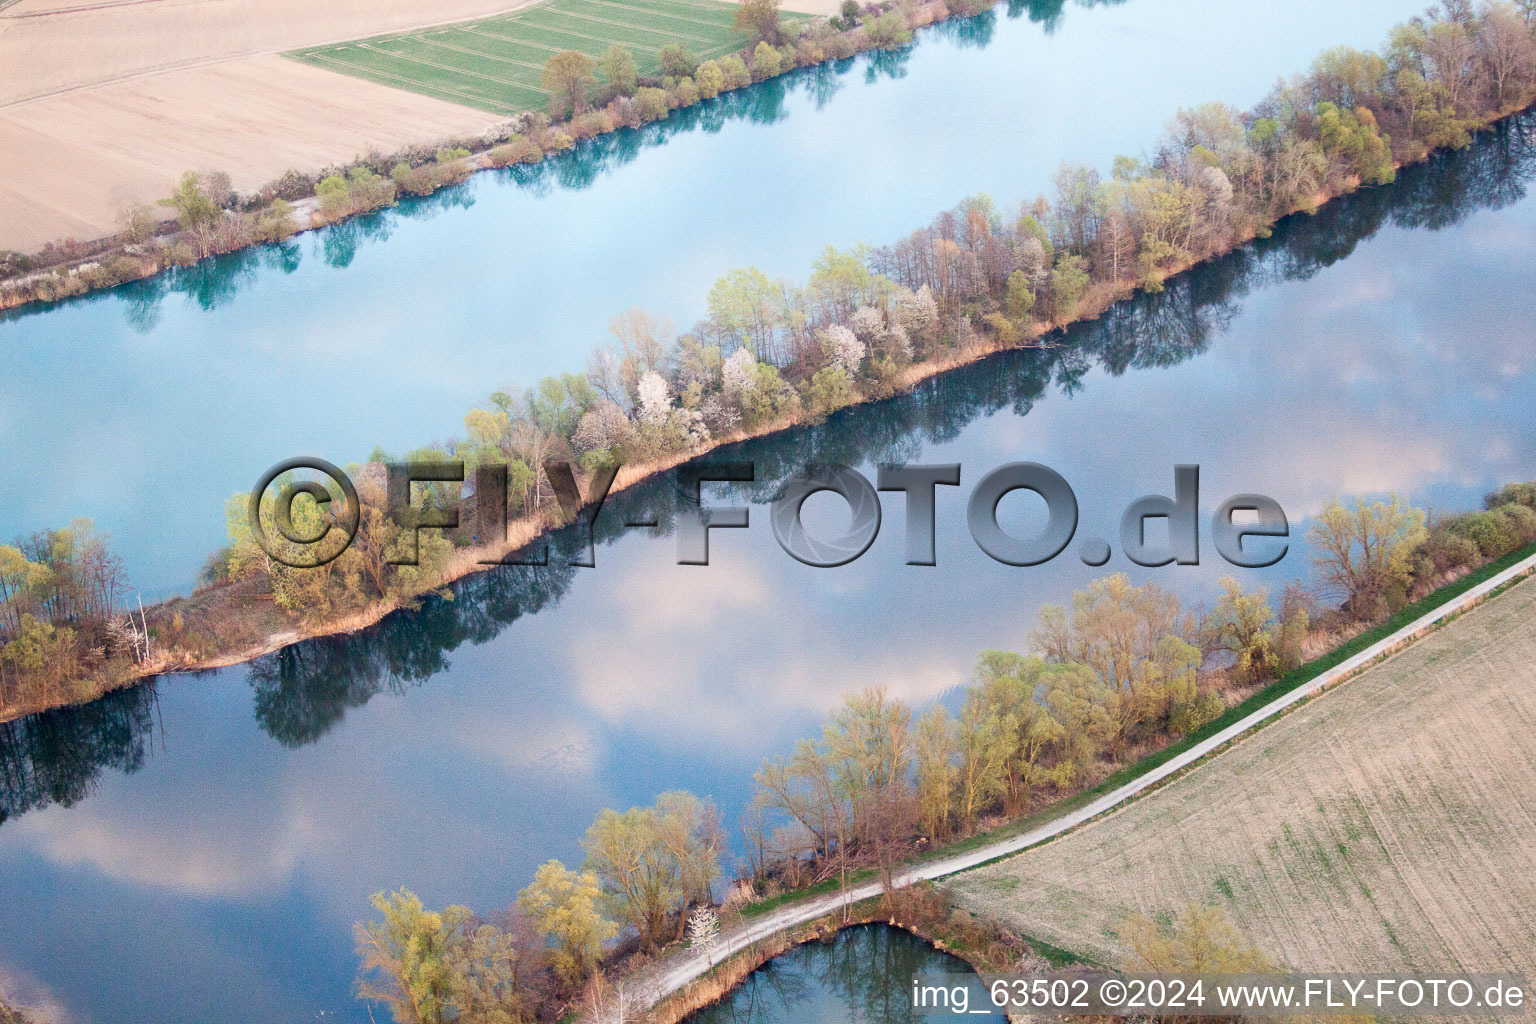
(1431, 606)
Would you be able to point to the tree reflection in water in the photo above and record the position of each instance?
(303, 691)
(212, 283)
(862, 975)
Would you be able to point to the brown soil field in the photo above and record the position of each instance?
(51, 45)
(70, 163)
(1385, 825)
(105, 103)
(108, 102)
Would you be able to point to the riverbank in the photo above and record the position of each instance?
(1338, 833)
(70, 267)
(243, 623)
(920, 910)
(811, 912)
(76, 163)
(755, 927)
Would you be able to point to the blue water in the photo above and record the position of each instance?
(198, 850)
(861, 975)
(146, 411)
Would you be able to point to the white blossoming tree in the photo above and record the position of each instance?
(704, 933)
(867, 322)
(739, 375)
(844, 349)
(602, 427)
(918, 312)
(655, 401)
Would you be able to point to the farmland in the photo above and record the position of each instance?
(54, 46)
(496, 64)
(70, 163)
(106, 104)
(1384, 825)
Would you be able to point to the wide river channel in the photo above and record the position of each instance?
(198, 849)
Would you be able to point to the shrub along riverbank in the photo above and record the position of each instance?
(922, 909)
(867, 323)
(1453, 75)
(589, 98)
(1110, 691)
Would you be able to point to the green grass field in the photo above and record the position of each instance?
(496, 64)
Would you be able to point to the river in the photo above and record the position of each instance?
(198, 849)
(147, 407)
(862, 975)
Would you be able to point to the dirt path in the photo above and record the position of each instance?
(686, 967)
(1380, 829)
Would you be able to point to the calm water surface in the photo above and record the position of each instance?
(385, 331)
(198, 850)
(861, 976)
